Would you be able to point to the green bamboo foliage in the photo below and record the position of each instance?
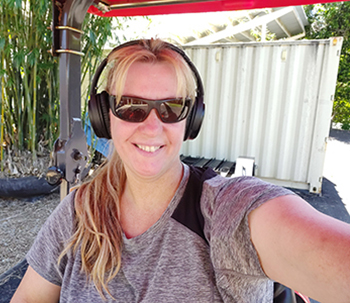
(29, 75)
(2, 118)
(29, 98)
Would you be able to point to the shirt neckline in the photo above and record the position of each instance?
(143, 238)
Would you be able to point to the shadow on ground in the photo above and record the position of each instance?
(329, 202)
(340, 135)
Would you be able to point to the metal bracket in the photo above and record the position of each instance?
(71, 51)
(76, 153)
(70, 29)
(60, 51)
(57, 12)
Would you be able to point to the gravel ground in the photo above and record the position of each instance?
(21, 219)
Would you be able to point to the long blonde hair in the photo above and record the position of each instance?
(98, 231)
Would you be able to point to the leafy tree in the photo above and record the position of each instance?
(333, 20)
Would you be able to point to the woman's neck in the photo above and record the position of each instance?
(144, 200)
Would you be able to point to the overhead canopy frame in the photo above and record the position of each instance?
(109, 8)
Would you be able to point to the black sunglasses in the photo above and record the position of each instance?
(134, 109)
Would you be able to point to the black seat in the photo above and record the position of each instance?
(10, 280)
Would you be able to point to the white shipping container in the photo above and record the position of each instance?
(271, 101)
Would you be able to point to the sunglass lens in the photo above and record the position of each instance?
(173, 110)
(132, 110)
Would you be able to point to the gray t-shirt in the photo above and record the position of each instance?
(169, 262)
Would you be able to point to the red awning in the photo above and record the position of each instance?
(157, 7)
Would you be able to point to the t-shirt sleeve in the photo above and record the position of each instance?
(226, 210)
(51, 241)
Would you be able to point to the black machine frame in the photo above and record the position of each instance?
(70, 152)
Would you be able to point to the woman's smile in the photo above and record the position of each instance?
(147, 148)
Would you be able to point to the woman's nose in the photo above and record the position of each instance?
(152, 124)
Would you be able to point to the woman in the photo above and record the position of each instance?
(128, 236)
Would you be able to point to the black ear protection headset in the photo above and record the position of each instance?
(99, 102)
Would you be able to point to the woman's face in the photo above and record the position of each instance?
(150, 148)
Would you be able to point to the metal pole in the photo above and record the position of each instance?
(70, 150)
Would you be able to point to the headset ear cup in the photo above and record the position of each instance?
(195, 119)
(99, 114)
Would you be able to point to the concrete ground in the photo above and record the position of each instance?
(337, 164)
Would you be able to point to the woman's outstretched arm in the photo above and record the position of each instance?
(303, 248)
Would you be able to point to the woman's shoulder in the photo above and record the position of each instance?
(243, 184)
(242, 192)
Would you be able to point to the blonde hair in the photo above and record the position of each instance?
(149, 51)
(98, 232)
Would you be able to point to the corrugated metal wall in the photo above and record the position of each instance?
(271, 101)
